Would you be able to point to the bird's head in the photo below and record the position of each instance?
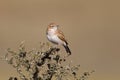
(53, 25)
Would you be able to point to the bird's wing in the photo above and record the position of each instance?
(61, 36)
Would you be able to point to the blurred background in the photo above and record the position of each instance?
(92, 28)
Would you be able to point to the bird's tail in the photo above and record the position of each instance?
(67, 49)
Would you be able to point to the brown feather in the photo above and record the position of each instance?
(61, 36)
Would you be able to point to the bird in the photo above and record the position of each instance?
(56, 36)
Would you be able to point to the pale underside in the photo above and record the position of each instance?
(53, 37)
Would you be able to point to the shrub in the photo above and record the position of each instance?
(42, 65)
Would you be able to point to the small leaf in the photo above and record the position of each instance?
(11, 61)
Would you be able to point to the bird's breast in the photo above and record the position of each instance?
(54, 39)
(51, 32)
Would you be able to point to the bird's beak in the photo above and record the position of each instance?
(57, 25)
